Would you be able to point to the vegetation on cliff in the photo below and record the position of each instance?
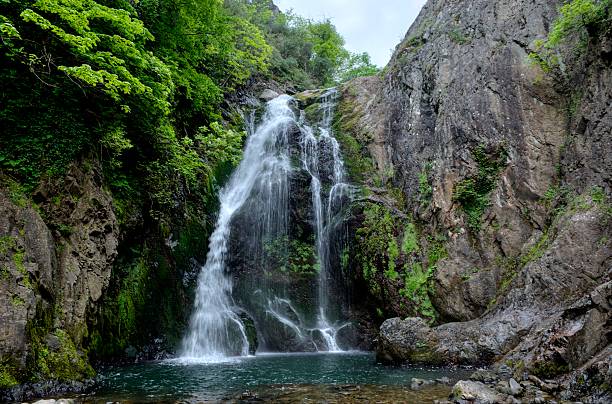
(142, 88)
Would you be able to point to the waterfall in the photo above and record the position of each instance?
(312, 151)
(216, 331)
(257, 194)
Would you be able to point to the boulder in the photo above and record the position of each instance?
(474, 392)
(268, 95)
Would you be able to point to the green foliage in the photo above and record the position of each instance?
(293, 256)
(410, 243)
(130, 84)
(579, 20)
(375, 236)
(458, 37)
(357, 65)
(473, 192)
(425, 188)
(7, 374)
(305, 53)
(417, 285)
(62, 362)
(580, 17)
(384, 263)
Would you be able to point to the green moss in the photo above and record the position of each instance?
(536, 251)
(313, 113)
(425, 188)
(18, 260)
(377, 230)
(356, 159)
(410, 242)
(7, 374)
(17, 301)
(458, 37)
(131, 299)
(414, 42)
(436, 250)
(63, 362)
(7, 243)
(353, 140)
(417, 285)
(405, 268)
(294, 256)
(598, 195)
(16, 192)
(473, 193)
(549, 370)
(147, 294)
(345, 258)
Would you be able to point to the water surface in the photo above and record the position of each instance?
(346, 377)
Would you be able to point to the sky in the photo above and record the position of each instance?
(373, 26)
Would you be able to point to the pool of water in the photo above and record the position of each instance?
(341, 377)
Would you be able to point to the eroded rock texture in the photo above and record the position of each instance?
(53, 271)
(462, 116)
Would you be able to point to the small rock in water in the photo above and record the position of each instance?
(417, 384)
(443, 380)
(515, 388)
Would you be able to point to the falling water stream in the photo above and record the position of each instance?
(217, 330)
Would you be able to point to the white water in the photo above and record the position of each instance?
(216, 331)
(312, 150)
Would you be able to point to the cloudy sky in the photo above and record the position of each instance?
(373, 26)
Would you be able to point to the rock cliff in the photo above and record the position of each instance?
(506, 164)
(56, 259)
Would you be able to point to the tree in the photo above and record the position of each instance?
(357, 65)
(328, 51)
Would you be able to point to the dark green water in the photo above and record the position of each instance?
(346, 377)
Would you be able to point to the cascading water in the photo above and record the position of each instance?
(312, 151)
(216, 331)
(255, 207)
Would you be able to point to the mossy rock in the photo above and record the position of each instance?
(8, 374)
(313, 113)
(56, 357)
(306, 98)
